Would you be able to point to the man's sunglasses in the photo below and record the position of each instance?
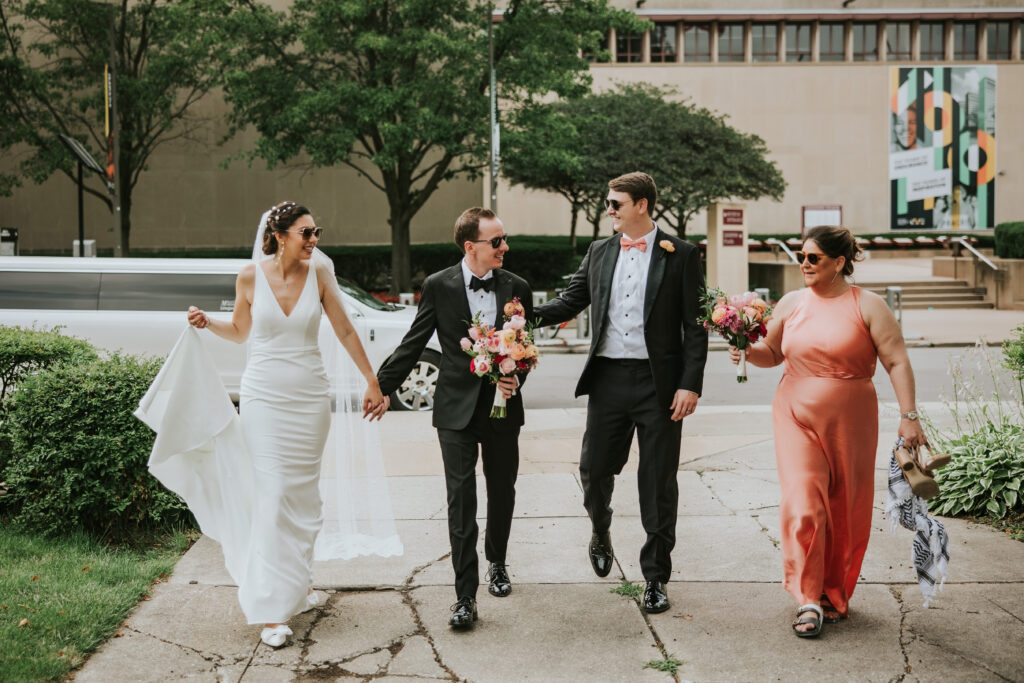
(811, 258)
(495, 241)
(615, 203)
(307, 233)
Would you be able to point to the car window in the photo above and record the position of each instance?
(166, 292)
(364, 297)
(69, 291)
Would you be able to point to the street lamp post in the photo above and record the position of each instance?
(114, 181)
(495, 133)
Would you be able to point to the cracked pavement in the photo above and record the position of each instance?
(386, 619)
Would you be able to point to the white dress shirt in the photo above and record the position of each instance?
(480, 300)
(624, 335)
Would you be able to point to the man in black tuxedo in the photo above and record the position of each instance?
(462, 401)
(644, 373)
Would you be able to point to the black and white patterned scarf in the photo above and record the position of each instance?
(930, 548)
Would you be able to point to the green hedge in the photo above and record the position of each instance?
(79, 456)
(23, 352)
(1009, 238)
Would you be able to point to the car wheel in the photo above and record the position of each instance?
(417, 391)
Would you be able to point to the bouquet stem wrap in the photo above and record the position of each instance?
(741, 367)
(498, 408)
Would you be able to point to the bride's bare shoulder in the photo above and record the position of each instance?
(247, 275)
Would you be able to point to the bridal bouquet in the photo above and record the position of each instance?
(504, 352)
(739, 319)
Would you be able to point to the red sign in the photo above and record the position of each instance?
(732, 216)
(732, 238)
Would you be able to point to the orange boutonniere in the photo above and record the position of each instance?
(667, 246)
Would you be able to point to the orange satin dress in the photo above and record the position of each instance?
(825, 415)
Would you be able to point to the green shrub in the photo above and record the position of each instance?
(23, 352)
(1009, 240)
(79, 455)
(986, 473)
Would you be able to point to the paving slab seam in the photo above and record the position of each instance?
(726, 451)
(714, 495)
(1005, 610)
(421, 628)
(904, 640)
(765, 530)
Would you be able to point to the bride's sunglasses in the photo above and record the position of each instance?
(308, 233)
(811, 258)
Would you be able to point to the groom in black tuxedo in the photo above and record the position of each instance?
(462, 401)
(644, 373)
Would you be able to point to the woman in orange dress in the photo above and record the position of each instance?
(825, 416)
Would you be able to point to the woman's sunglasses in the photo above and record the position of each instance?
(307, 233)
(495, 241)
(811, 258)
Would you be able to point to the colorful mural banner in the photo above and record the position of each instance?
(942, 147)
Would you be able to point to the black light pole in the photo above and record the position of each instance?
(84, 159)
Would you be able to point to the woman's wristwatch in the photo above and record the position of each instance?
(909, 415)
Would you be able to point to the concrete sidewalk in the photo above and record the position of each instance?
(386, 619)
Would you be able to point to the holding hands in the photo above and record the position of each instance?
(375, 403)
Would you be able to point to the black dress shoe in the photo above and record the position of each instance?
(601, 553)
(463, 613)
(655, 600)
(500, 583)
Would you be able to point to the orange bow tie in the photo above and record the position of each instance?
(627, 244)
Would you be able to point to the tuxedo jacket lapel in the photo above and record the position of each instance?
(655, 274)
(606, 268)
(502, 295)
(457, 292)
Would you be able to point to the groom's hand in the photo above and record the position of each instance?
(507, 386)
(683, 404)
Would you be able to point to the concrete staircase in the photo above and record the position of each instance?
(934, 293)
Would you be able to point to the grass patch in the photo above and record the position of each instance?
(627, 589)
(61, 598)
(669, 665)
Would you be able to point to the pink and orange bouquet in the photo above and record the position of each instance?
(504, 352)
(739, 319)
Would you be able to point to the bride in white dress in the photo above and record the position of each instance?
(285, 410)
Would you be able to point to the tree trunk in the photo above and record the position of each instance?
(401, 262)
(572, 227)
(596, 223)
(126, 219)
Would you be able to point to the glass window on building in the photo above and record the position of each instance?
(831, 47)
(629, 46)
(697, 42)
(965, 41)
(998, 39)
(897, 41)
(932, 45)
(798, 42)
(730, 42)
(765, 41)
(865, 42)
(663, 42)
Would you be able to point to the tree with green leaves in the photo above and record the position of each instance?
(575, 146)
(397, 90)
(52, 58)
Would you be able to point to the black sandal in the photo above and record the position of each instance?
(801, 621)
(826, 604)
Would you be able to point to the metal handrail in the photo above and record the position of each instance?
(977, 254)
(777, 242)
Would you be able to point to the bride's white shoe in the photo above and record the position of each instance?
(275, 637)
(312, 600)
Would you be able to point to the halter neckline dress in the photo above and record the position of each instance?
(825, 417)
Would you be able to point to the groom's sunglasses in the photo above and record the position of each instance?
(811, 258)
(308, 233)
(495, 241)
(615, 203)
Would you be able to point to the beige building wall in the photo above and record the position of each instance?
(826, 125)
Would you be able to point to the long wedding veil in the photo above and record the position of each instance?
(357, 513)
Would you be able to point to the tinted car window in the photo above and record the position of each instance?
(166, 292)
(71, 291)
(364, 297)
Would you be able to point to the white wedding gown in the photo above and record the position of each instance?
(253, 481)
(286, 414)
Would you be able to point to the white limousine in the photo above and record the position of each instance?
(138, 305)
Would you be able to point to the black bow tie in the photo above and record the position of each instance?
(476, 283)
